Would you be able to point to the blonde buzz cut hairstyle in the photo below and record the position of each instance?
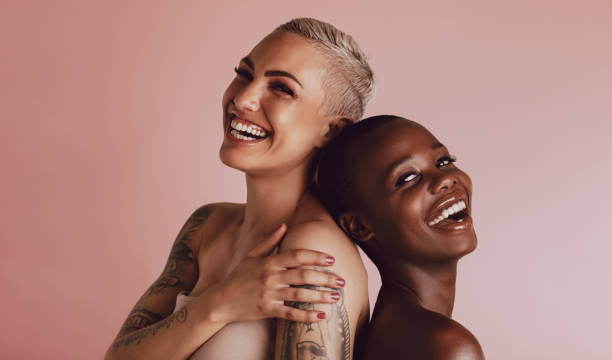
(349, 85)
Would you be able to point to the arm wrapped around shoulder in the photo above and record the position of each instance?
(333, 336)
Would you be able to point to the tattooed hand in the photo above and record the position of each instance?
(260, 285)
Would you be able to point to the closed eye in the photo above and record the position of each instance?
(406, 178)
(243, 74)
(282, 88)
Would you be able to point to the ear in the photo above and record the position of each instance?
(355, 227)
(334, 127)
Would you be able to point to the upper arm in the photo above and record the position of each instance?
(334, 336)
(179, 274)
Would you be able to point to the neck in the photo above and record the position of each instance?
(271, 201)
(431, 285)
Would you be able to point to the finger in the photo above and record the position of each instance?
(311, 277)
(267, 246)
(297, 315)
(308, 295)
(299, 257)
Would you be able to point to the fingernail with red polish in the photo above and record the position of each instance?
(340, 282)
(335, 296)
(321, 315)
(330, 260)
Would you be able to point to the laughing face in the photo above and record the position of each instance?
(273, 116)
(416, 201)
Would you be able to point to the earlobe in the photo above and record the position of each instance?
(354, 226)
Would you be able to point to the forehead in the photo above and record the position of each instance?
(392, 142)
(291, 53)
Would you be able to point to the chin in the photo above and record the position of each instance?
(230, 158)
(467, 244)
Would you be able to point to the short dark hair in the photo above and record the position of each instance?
(335, 174)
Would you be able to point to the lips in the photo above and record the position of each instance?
(450, 213)
(245, 131)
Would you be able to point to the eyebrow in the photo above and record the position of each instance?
(397, 163)
(409, 157)
(250, 64)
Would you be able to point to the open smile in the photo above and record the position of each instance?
(450, 214)
(245, 130)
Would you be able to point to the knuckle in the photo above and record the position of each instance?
(267, 262)
(267, 280)
(289, 315)
(303, 275)
(261, 307)
(297, 255)
(299, 294)
(264, 305)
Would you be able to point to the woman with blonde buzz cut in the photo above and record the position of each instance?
(224, 293)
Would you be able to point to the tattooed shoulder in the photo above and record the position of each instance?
(182, 265)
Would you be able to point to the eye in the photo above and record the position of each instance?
(406, 178)
(447, 160)
(241, 73)
(282, 88)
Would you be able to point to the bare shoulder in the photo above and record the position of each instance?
(449, 339)
(210, 218)
(398, 331)
(313, 228)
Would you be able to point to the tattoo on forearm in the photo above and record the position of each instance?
(138, 319)
(181, 254)
(136, 337)
(328, 339)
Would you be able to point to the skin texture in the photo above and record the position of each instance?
(402, 185)
(335, 337)
(222, 256)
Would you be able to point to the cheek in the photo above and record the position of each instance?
(467, 182)
(299, 126)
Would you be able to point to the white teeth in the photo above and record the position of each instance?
(247, 128)
(453, 209)
(240, 136)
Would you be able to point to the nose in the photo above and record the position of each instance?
(247, 98)
(444, 182)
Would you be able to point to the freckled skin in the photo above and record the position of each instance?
(417, 261)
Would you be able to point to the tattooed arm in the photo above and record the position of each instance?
(332, 338)
(250, 292)
(151, 330)
(328, 339)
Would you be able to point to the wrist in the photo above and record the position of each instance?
(211, 306)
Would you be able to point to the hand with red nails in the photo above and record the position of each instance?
(262, 283)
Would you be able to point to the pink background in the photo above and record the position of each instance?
(111, 126)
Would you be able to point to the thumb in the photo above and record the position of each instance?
(265, 247)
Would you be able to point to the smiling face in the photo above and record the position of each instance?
(273, 116)
(414, 199)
